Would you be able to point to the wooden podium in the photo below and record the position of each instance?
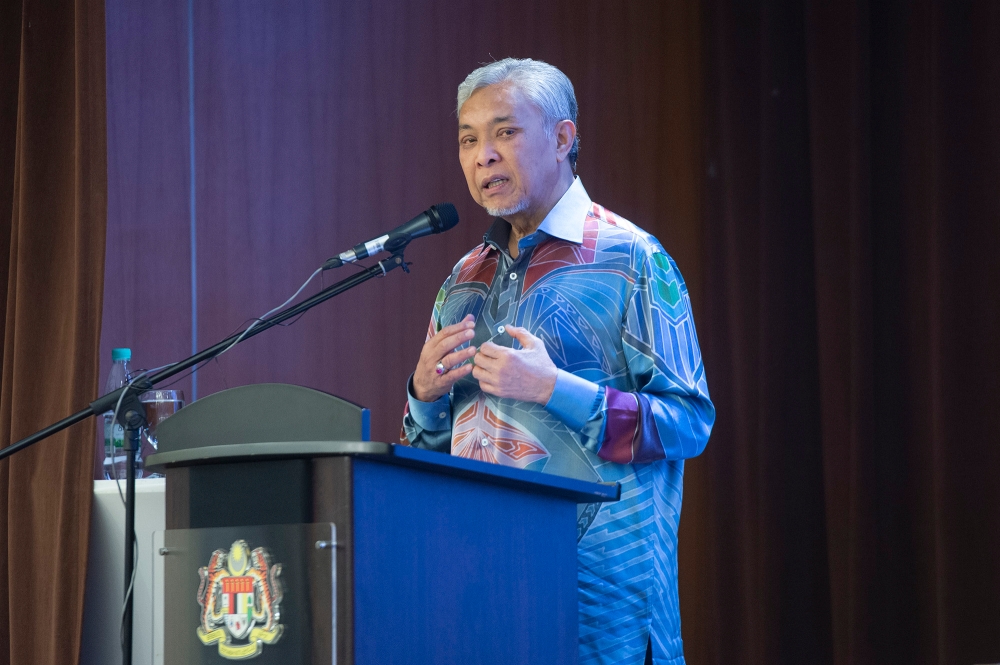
(292, 538)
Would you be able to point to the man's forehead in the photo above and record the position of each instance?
(492, 105)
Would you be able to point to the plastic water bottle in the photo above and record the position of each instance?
(114, 433)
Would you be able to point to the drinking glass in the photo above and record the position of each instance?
(158, 405)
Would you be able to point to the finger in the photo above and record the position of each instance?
(442, 344)
(456, 327)
(522, 335)
(487, 363)
(489, 388)
(442, 383)
(451, 376)
(491, 350)
(467, 322)
(482, 375)
(458, 357)
(428, 385)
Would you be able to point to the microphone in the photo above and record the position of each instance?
(435, 219)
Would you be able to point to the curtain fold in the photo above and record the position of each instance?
(852, 230)
(53, 178)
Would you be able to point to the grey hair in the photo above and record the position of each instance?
(547, 88)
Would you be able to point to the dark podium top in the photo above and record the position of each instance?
(274, 421)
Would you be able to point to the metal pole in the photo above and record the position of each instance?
(130, 446)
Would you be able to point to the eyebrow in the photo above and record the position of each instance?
(495, 121)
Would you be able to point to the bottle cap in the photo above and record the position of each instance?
(121, 354)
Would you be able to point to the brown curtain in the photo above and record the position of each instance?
(848, 503)
(53, 197)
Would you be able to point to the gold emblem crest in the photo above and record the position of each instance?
(240, 597)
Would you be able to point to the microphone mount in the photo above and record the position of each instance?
(394, 243)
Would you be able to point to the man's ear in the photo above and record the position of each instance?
(565, 132)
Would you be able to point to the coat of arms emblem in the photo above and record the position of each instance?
(240, 597)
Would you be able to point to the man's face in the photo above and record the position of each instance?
(508, 155)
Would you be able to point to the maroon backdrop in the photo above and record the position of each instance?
(824, 174)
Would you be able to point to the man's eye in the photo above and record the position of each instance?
(506, 132)
(468, 140)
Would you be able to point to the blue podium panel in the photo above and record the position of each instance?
(451, 570)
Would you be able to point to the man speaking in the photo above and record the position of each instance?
(565, 343)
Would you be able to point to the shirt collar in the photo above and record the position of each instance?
(564, 221)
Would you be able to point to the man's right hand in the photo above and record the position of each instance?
(428, 385)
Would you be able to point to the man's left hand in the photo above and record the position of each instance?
(527, 374)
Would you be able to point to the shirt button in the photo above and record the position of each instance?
(513, 276)
(442, 415)
(500, 330)
(485, 442)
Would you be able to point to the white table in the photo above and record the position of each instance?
(106, 570)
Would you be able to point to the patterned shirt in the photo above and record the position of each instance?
(630, 404)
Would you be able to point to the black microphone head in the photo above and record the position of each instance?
(443, 217)
(435, 219)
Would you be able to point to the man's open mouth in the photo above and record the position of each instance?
(495, 182)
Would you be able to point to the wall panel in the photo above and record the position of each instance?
(147, 283)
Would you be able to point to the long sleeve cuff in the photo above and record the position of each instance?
(429, 416)
(630, 434)
(572, 400)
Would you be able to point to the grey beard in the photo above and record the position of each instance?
(520, 206)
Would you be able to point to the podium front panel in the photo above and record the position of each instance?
(260, 593)
(451, 571)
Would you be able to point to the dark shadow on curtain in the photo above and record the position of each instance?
(850, 335)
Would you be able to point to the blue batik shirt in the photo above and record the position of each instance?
(630, 404)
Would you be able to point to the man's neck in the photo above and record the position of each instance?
(525, 223)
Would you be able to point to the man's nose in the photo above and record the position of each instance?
(487, 154)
